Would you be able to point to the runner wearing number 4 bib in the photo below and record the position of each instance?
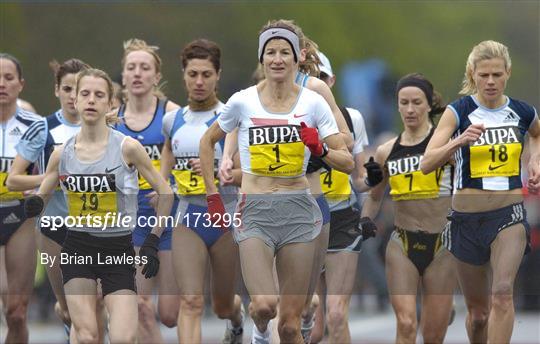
(415, 254)
(197, 241)
(485, 131)
(280, 125)
(97, 171)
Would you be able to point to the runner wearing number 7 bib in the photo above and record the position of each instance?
(279, 217)
(197, 241)
(415, 254)
(484, 131)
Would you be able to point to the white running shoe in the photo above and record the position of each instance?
(261, 338)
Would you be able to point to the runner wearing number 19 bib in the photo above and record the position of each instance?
(197, 242)
(280, 124)
(415, 255)
(488, 229)
(97, 171)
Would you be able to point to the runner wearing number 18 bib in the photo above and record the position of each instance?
(484, 131)
(280, 125)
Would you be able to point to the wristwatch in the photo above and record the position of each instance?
(325, 150)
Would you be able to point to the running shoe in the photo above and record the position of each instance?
(234, 335)
(306, 330)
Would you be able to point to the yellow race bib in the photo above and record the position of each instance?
(94, 204)
(496, 153)
(285, 159)
(415, 185)
(91, 197)
(5, 194)
(498, 160)
(335, 185)
(188, 182)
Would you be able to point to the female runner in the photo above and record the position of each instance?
(142, 118)
(195, 243)
(17, 232)
(488, 230)
(279, 217)
(415, 254)
(36, 147)
(97, 171)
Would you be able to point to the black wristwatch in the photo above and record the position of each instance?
(325, 150)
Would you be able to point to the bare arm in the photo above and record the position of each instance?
(358, 174)
(167, 160)
(206, 152)
(534, 162)
(135, 155)
(322, 88)
(440, 148)
(338, 156)
(50, 178)
(225, 173)
(17, 179)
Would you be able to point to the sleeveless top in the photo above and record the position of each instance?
(102, 192)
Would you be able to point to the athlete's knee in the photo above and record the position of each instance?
(336, 318)
(263, 307)
(16, 314)
(168, 317)
(192, 304)
(288, 328)
(433, 335)
(223, 310)
(478, 318)
(88, 336)
(146, 309)
(123, 337)
(502, 298)
(406, 323)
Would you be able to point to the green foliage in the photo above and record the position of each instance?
(432, 37)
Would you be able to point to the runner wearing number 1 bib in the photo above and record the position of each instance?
(415, 255)
(196, 242)
(280, 124)
(484, 131)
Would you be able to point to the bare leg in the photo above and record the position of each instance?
(403, 280)
(506, 255)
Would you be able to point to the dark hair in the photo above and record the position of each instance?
(13, 59)
(202, 49)
(71, 66)
(433, 97)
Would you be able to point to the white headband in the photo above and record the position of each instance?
(278, 32)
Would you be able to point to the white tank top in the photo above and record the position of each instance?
(269, 143)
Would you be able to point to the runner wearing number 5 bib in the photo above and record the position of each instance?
(97, 171)
(415, 255)
(279, 217)
(197, 241)
(488, 230)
